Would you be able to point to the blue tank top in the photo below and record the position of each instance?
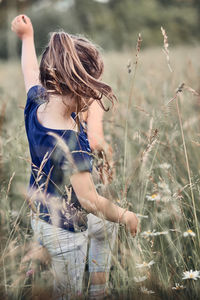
(55, 155)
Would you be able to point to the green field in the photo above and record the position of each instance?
(155, 133)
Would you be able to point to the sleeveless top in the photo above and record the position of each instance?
(55, 155)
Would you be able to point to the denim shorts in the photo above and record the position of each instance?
(102, 236)
(68, 251)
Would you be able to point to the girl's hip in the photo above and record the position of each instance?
(57, 240)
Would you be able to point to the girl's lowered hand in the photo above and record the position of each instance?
(22, 26)
(130, 220)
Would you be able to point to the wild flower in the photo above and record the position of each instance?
(140, 278)
(189, 232)
(153, 197)
(178, 287)
(153, 233)
(144, 290)
(160, 233)
(191, 275)
(148, 233)
(144, 264)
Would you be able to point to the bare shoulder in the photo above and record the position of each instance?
(52, 120)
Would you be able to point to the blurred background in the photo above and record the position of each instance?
(113, 24)
(153, 129)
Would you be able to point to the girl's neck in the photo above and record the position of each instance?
(60, 106)
(56, 113)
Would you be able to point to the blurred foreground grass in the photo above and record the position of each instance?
(156, 143)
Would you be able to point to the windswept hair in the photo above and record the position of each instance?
(72, 65)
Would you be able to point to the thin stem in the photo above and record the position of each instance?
(187, 164)
(129, 106)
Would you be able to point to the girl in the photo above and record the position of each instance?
(61, 190)
(102, 234)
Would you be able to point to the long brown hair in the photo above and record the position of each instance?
(72, 65)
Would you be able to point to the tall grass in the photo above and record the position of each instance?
(154, 130)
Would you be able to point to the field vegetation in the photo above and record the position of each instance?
(154, 131)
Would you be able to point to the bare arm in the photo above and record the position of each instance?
(95, 132)
(22, 26)
(94, 203)
(94, 118)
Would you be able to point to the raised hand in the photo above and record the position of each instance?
(22, 26)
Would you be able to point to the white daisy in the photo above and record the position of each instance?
(178, 287)
(148, 233)
(144, 264)
(146, 291)
(191, 275)
(153, 197)
(140, 278)
(160, 233)
(189, 232)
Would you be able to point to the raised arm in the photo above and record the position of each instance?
(22, 26)
(94, 203)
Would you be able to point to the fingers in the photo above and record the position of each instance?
(21, 19)
(22, 26)
(131, 221)
(26, 19)
(15, 24)
(134, 233)
(16, 20)
(137, 228)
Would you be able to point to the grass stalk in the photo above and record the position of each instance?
(138, 47)
(187, 165)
